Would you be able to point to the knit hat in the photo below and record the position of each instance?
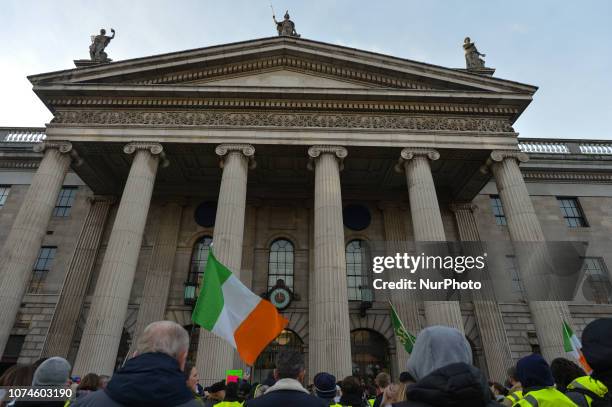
(596, 344)
(52, 372)
(533, 371)
(215, 387)
(325, 385)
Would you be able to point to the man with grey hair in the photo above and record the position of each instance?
(154, 376)
(288, 389)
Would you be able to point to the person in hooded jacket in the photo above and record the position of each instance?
(594, 390)
(441, 362)
(153, 378)
(538, 384)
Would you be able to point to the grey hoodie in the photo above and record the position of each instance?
(436, 347)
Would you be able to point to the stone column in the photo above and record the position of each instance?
(406, 303)
(488, 315)
(329, 335)
(157, 281)
(215, 355)
(524, 226)
(23, 242)
(427, 222)
(70, 304)
(102, 333)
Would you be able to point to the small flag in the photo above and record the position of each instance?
(573, 347)
(405, 337)
(228, 309)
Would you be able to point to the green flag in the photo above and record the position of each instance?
(405, 337)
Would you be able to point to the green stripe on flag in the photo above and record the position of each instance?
(405, 337)
(210, 300)
(567, 337)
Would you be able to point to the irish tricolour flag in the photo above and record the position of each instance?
(227, 308)
(573, 347)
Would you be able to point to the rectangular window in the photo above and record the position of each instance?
(572, 212)
(41, 268)
(4, 192)
(65, 200)
(498, 210)
(597, 282)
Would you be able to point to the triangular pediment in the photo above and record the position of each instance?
(282, 78)
(281, 62)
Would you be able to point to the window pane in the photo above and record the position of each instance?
(572, 213)
(41, 269)
(65, 200)
(198, 259)
(4, 192)
(357, 270)
(280, 263)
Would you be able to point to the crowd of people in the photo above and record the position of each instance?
(440, 372)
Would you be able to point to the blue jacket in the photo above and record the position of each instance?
(148, 380)
(286, 393)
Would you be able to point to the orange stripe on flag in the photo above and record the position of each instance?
(260, 328)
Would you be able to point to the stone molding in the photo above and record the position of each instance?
(220, 119)
(109, 199)
(64, 147)
(409, 153)
(247, 150)
(315, 152)
(153, 148)
(282, 104)
(567, 176)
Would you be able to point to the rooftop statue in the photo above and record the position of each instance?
(472, 56)
(285, 27)
(98, 44)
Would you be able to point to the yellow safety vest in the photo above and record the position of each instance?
(588, 384)
(547, 397)
(229, 404)
(515, 397)
(371, 401)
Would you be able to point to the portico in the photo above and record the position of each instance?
(288, 123)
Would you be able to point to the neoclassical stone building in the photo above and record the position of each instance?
(292, 155)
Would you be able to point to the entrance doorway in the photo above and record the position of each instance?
(369, 354)
(265, 363)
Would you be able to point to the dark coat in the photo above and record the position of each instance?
(148, 380)
(454, 385)
(286, 393)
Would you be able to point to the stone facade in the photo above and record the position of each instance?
(125, 252)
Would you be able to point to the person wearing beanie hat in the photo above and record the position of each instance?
(53, 372)
(325, 387)
(594, 390)
(538, 384)
(215, 393)
(441, 363)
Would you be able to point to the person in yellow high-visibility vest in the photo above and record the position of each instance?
(594, 390)
(325, 388)
(231, 396)
(538, 384)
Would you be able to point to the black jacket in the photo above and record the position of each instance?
(148, 380)
(454, 385)
(287, 393)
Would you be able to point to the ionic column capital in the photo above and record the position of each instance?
(315, 152)
(497, 156)
(463, 206)
(409, 153)
(64, 147)
(247, 150)
(153, 148)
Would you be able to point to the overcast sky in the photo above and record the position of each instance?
(564, 47)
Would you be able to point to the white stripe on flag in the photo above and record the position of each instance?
(238, 303)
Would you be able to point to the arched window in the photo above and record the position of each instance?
(357, 271)
(280, 263)
(198, 259)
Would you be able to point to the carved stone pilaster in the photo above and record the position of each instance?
(153, 148)
(315, 152)
(247, 150)
(64, 147)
